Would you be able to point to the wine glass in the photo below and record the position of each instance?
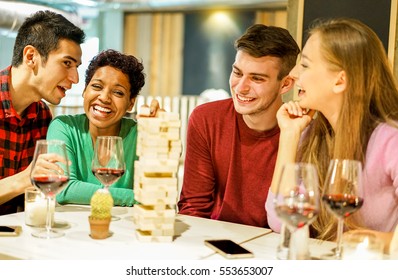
(341, 195)
(297, 202)
(50, 173)
(108, 163)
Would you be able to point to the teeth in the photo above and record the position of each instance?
(102, 109)
(244, 98)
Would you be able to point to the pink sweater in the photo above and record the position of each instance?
(380, 183)
(228, 167)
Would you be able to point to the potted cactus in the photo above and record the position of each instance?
(100, 218)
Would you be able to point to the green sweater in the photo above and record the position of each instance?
(73, 130)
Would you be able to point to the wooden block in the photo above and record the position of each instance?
(157, 191)
(169, 116)
(155, 197)
(154, 142)
(145, 236)
(154, 211)
(161, 228)
(145, 111)
(159, 148)
(148, 181)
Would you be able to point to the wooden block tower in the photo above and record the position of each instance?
(155, 179)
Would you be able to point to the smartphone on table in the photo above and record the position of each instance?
(10, 230)
(228, 248)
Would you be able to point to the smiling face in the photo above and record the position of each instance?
(318, 84)
(58, 73)
(106, 100)
(254, 85)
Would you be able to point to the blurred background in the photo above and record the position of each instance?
(186, 45)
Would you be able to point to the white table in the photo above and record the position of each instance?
(265, 246)
(188, 243)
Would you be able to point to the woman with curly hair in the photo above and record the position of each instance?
(113, 81)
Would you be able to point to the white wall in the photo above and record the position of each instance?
(6, 46)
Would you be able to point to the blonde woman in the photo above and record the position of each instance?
(345, 78)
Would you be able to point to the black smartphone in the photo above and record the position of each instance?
(10, 230)
(228, 248)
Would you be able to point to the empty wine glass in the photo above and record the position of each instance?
(108, 163)
(297, 202)
(50, 173)
(341, 195)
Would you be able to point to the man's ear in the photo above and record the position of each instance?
(340, 83)
(287, 84)
(30, 56)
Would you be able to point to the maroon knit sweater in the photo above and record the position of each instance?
(228, 166)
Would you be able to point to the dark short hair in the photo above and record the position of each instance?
(43, 30)
(128, 64)
(261, 40)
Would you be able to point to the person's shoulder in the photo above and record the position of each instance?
(42, 109)
(43, 105)
(128, 127)
(6, 72)
(386, 129)
(384, 134)
(129, 121)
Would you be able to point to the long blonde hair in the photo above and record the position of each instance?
(370, 98)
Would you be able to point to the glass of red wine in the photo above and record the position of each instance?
(49, 173)
(297, 202)
(108, 163)
(341, 195)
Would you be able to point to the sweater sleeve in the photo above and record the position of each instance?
(82, 183)
(197, 192)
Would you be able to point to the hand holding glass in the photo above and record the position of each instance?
(50, 173)
(296, 200)
(341, 194)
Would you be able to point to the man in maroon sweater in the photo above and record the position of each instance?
(232, 144)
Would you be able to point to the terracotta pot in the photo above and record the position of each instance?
(99, 228)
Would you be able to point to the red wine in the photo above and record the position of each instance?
(296, 216)
(343, 205)
(108, 176)
(50, 185)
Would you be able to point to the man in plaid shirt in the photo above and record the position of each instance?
(44, 65)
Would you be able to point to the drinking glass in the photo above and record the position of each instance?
(108, 163)
(50, 173)
(341, 195)
(297, 202)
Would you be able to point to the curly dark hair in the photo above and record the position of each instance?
(44, 30)
(128, 64)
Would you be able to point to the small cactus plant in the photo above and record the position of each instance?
(101, 206)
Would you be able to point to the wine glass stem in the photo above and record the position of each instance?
(49, 216)
(340, 228)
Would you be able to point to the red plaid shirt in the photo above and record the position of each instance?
(18, 135)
